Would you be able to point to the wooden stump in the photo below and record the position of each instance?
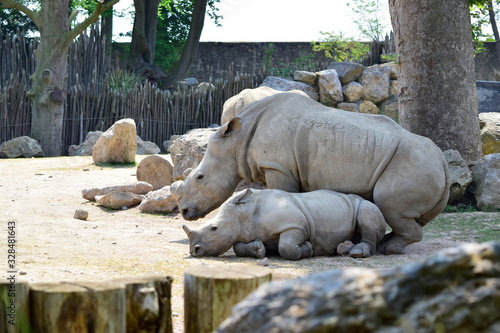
(148, 304)
(155, 170)
(78, 307)
(210, 292)
(14, 307)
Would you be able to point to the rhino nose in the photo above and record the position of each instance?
(197, 252)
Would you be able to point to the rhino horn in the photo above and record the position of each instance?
(187, 229)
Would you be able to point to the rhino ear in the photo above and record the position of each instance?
(243, 196)
(231, 127)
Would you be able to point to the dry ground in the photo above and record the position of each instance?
(41, 196)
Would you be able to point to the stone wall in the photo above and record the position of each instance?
(214, 58)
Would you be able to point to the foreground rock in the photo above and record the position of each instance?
(87, 147)
(460, 175)
(137, 188)
(455, 290)
(486, 176)
(22, 146)
(159, 201)
(118, 144)
(118, 200)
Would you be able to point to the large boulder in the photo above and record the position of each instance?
(454, 290)
(135, 188)
(489, 123)
(279, 83)
(376, 83)
(118, 144)
(460, 175)
(330, 88)
(305, 76)
(87, 147)
(22, 146)
(486, 176)
(188, 150)
(347, 71)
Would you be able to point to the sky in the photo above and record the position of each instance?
(272, 20)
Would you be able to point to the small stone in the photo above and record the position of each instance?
(81, 214)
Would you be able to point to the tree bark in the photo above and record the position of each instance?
(48, 93)
(192, 42)
(142, 46)
(437, 91)
(210, 292)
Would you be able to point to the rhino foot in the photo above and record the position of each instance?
(344, 247)
(391, 244)
(254, 249)
(361, 250)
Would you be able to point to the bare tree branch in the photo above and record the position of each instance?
(34, 16)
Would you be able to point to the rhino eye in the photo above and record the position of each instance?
(213, 228)
(200, 177)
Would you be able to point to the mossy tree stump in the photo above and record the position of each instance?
(211, 291)
(155, 170)
(14, 307)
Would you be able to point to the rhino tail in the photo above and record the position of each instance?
(438, 208)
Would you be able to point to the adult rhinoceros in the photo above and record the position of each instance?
(296, 144)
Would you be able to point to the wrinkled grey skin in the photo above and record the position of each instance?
(235, 104)
(295, 144)
(299, 225)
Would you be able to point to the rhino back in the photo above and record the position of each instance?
(322, 147)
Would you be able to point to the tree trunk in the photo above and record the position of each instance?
(107, 26)
(193, 39)
(210, 292)
(142, 46)
(437, 91)
(494, 27)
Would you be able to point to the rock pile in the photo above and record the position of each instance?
(348, 86)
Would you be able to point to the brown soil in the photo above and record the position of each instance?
(41, 196)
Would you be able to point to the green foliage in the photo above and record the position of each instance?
(267, 59)
(121, 79)
(174, 20)
(392, 57)
(460, 208)
(368, 18)
(340, 47)
(12, 20)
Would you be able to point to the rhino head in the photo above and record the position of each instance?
(220, 233)
(214, 179)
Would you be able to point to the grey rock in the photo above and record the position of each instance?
(146, 147)
(455, 290)
(460, 175)
(86, 148)
(353, 107)
(376, 83)
(330, 88)
(137, 188)
(486, 176)
(352, 92)
(347, 71)
(187, 150)
(279, 83)
(118, 200)
(81, 214)
(22, 146)
(305, 76)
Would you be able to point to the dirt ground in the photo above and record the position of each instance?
(41, 196)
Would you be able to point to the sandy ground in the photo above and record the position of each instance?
(41, 196)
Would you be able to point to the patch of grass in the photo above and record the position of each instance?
(478, 227)
(116, 165)
(460, 208)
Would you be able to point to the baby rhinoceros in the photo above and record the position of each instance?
(299, 225)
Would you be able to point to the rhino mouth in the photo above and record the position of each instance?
(190, 214)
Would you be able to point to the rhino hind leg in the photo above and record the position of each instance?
(255, 249)
(292, 246)
(371, 225)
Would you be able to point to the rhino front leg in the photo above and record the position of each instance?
(371, 225)
(281, 179)
(254, 249)
(292, 245)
